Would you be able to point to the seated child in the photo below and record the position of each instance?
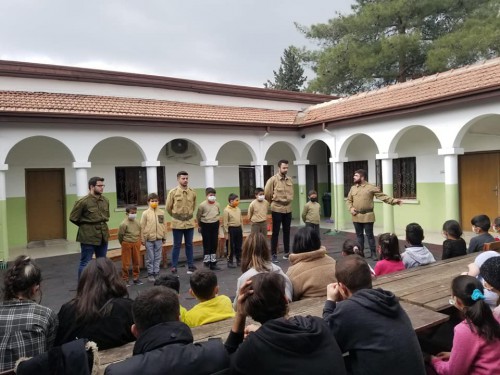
(454, 245)
(211, 307)
(496, 228)
(490, 272)
(480, 226)
(351, 247)
(172, 282)
(490, 297)
(416, 253)
(388, 252)
(476, 340)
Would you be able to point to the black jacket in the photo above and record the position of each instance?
(299, 345)
(168, 348)
(373, 327)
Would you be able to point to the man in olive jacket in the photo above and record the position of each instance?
(91, 214)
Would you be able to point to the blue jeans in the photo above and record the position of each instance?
(368, 229)
(188, 243)
(153, 257)
(87, 252)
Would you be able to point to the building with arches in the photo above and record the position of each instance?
(434, 141)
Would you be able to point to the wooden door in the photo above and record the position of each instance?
(45, 208)
(479, 185)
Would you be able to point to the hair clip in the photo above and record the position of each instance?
(476, 295)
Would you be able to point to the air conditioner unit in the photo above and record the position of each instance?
(178, 149)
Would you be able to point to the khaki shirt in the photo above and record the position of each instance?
(208, 212)
(91, 214)
(231, 218)
(279, 192)
(360, 198)
(257, 211)
(311, 214)
(153, 225)
(180, 205)
(129, 231)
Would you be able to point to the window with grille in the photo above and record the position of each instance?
(132, 185)
(404, 178)
(248, 180)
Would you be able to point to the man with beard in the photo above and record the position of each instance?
(279, 192)
(91, 214)
(360, 204)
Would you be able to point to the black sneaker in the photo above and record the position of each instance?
(275, 259)
(138, 282)
(191, 269)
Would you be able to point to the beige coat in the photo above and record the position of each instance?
(360, 198)
(257, 211)
(180, 205)
(311, 213)
(152, 225)
(279, 192)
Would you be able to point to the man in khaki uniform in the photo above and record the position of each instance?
(91, 214)
(279, 192)
(181, 202)
(360, 204)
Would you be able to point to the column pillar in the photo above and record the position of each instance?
(209, 172)
(339, 207)
(301, 177)
(4, 241)
(82, 182)
(151, 174)
(387, 187)
(451, 197)
(259, 172)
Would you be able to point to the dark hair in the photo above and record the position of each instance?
(182, 173)
(361, 172)
(481, 221)
(153, 196)
(20, 278)
(100, 281)
(258, 190)
(311, 192)
(210, 190)
(490, 271)
(256, 253)
(268, 300)
(452, 227)
(232, 197)
(130, 208)
(353, 272)
(350, 247)
(389, 246)
(477, 313)
(93, 181)
(169, 281)
(306, 239)
(282, 161)
(203, 284)
(414, 234)
(154, 306)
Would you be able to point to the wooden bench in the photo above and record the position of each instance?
(495, 246)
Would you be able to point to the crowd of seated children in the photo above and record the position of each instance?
(281, 345)
(26, 327)
(416, 254)
(256, 258)
(101, 310)
(454, 245)
(311, 269)
(388, 255)
(476, 340)
(172, 282)
(490, 272)
(211, 307)
(480, 226)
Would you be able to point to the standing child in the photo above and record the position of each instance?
(153, 236)
(257, 212)
(208, 216)
(496, 228)
(454, 245)
(480, 226)
(233, 230)
(129, 236)
(310, 214)
(476, 340)
(388, 253)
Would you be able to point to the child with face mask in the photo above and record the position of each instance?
(233, 230)
(129, 236)
(208, 216)
(257, 212)
(310, 213)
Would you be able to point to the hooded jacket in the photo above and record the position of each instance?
(168, 348)
(299, 345)
(376, 332)
(417, 256)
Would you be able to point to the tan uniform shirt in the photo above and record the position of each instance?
(279, 192)
(360, 198)
(257, 211)
(129, 231)
(180, 205)
(208, 212)
(152, 225)
(310, 214)
(231, 218)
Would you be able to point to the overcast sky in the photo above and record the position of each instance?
(230, 41)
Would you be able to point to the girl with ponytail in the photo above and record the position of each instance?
(388, 255)
(476, 342)
(26, 328)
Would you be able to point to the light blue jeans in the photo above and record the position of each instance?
(153, 257)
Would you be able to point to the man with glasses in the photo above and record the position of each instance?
(91, 214)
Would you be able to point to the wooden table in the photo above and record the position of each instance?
(426, 286)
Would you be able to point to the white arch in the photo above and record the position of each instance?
(397, 137)
(290, 145)
(252, 152)
(21, 139)
(345, 143)
(457, 142)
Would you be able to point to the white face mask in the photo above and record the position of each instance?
(260, 198)
(211, 198)
(132, 216)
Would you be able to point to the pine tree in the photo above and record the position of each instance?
(290, 75)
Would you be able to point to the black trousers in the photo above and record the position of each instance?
(368, 229)
(235, 242)
(210, 236)
(280, 219)
(314, 227)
